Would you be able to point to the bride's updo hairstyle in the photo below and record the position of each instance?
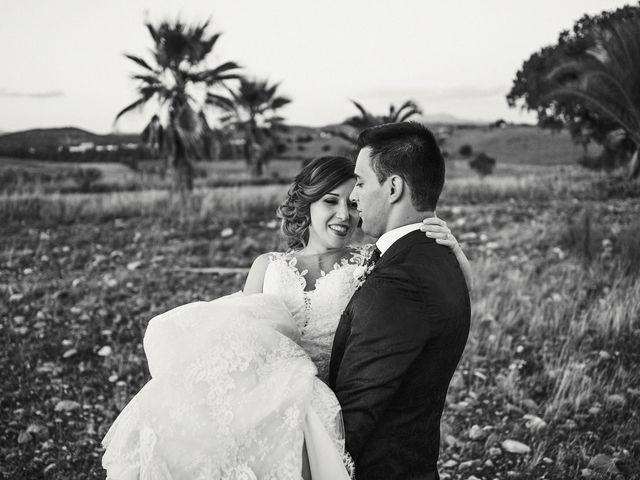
(316, 179)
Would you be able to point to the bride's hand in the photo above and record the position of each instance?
(437, 229)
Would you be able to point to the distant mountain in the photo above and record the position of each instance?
(448, 119)
(54, 137)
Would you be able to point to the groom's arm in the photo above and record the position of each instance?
(389, 330)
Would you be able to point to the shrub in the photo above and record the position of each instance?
(465, 150)
(483, 164)
(86, 177)
(304, 138)
(326, 147)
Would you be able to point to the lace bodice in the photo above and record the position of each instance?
(318, 310)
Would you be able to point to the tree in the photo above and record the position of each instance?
(365, 119)
(534, 82)
(254, 113)
(181, 81)
(608, 82)
(483, 164)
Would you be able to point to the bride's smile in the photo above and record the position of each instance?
(334, 218)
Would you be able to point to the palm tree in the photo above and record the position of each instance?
(179, 79)
(366, 119)
(608, 80)
(254, 114)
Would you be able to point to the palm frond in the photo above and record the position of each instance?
(279, 102)
(220, 101)
(139, 61)
(138, 103)
(214, 75)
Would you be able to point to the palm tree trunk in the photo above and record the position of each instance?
(634, 165)
(184, 167)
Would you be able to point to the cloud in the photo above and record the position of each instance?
(4, 93)
(461, 92)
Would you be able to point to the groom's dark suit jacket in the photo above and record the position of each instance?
(396, 347)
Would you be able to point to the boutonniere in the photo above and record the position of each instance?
(361, 272)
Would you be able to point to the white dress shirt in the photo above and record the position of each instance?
(392, 236)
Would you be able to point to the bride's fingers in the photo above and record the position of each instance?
(434, 221)
(434, 229)
(446, 243)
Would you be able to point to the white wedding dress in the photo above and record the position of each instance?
(237, 385)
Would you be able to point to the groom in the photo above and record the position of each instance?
(401, 336)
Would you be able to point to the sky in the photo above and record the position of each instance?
(63, 63)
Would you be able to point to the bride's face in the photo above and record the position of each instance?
(334, 218)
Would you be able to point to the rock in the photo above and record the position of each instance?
(604, 355)
(488, 463)
(469, 464)
(226, 232)
(131, 266)
(105, 351)
(24, 437)
(595, 410)
(602, 463)
(49, 468)
(16, 297)
(477, 433)
(66, 406)
(513, 446)
(472, 477)
(616, 400)
(39, 431)
(534, 423)
(587, 473)
(460, 406)
(510, 408)
(495, 452)
(450, 464)
(465, 237)
(634, 392)
(452, 441)
(69, 353)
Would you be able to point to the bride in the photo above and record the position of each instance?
(237, 389)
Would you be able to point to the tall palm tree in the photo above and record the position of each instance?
(254, 113)
(366, 119)
(181, 81)
(608, 80)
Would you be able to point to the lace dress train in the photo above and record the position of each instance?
(234, 391)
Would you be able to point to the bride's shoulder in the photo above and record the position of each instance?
(258, 270)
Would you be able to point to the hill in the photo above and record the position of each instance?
(519, 144)
(54, 137)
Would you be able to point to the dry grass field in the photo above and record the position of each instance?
(548, 387)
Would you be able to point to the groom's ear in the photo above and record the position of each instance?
(396, 188)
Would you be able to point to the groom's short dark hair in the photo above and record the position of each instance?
(410, 150)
